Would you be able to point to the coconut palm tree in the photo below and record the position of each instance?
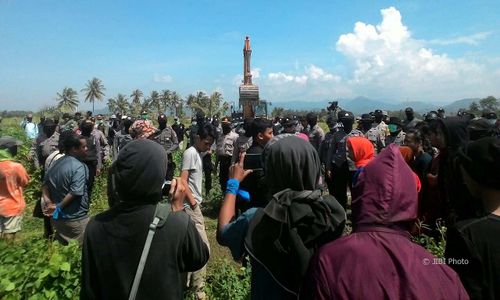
(111, 105)
(177, 103)
(122, 103)
(68, 99)
(135, 105)
(166, 99)
(155, 101)
(94, 90)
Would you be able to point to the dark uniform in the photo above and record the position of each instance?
(337, 163)
(168, 139)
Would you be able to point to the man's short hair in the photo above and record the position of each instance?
(259, 125)
(206, 131)
(70, 140)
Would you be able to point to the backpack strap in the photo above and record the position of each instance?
(161, 214)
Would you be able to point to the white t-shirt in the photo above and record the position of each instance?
(191, 161)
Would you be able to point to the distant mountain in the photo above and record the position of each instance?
(360, 105)
(456, 105)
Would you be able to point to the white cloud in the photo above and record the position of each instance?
(316, 73)
(162, 78)
(472, 39)
(388, 62)
(256, 73)
(281, 78)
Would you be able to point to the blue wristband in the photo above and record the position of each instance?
(232, 186)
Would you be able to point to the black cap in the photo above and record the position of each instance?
(408, 110)
(378, 112)
(366, 118)
(489, 115)
(346, 115)
(162, 118)
(440, 109)
(432, 115)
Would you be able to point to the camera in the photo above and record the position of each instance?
(333, 106)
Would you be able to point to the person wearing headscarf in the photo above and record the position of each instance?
(473, 247)
(409, 158)
(379, 260)
(360, 150)
(114, 239)
(281, 237)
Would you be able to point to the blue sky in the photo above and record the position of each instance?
(302, 50)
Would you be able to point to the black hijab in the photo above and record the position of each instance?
(291, 163)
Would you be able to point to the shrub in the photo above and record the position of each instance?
(228, 281)
(38, 269)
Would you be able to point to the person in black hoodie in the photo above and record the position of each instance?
(448, 135)
(114, 239)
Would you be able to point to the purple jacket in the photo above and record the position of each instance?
(378, 260)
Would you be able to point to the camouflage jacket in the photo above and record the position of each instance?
(316, 136)
(225, 144)
(241, 144)
(377, 138)
(398, 140)
(71, 125)
(168, 139)
(40, 150)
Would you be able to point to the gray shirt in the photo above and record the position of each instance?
(191, 161)
(69, 175)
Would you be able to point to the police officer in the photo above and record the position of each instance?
(316, 133)
(289, 125)
(167, 138)
(380, 124)
(371, 133)
(224, 151)
(180, 130)
(338, 174)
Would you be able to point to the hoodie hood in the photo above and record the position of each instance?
(362, 149)
(139, 171)
(455, 129)
(386, 192)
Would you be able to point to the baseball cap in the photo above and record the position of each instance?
(346, 115)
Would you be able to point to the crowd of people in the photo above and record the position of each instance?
(291, 194)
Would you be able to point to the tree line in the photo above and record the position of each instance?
(165, 101)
